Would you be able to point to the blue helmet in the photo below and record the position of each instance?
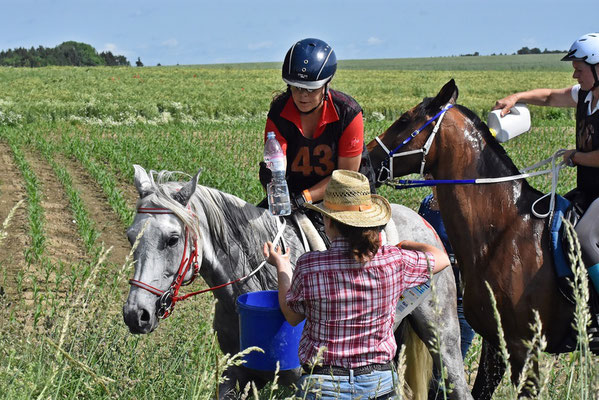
(310, 64)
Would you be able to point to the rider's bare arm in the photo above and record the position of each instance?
(441, 258)
(284, 274)
(537, 97)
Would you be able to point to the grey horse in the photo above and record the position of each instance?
(230, 233)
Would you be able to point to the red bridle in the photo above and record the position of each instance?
(169, 297)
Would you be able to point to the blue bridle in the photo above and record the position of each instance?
(387, 164)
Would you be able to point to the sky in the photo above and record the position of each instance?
(186, 32)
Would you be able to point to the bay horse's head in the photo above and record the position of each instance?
(405, 147)
(167, 251)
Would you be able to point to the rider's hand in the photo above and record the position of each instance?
(297, 202)
(505, 104)
(569, 158)
(265, 174)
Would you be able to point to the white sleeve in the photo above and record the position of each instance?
(574, 92)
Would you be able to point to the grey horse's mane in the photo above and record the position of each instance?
(226, 215)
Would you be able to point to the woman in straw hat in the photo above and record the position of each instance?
(348, 294)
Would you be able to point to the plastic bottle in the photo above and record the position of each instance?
(516, 122)
(277, 190)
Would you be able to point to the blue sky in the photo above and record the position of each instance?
(225, 31)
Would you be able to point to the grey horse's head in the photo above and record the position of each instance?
(164, 230)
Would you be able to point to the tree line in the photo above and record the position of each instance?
(523, 50)
(68, 53)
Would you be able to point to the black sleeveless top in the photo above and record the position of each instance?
(587, 139)
(311, 160)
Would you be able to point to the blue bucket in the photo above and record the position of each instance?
(262, 324)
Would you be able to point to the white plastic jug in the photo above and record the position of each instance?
(516, 122)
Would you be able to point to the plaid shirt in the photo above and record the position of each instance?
(350, 306)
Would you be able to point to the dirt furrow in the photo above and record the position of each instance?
(112, 233)
(17, 239)
(63, 243)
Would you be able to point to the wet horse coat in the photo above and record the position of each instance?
(230, 235)
(495, 237)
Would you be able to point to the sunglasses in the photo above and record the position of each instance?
(302, 90)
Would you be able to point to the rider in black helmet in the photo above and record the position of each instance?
(584, 55)
(319, 129)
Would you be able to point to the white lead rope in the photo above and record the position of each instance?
(278, 237)
(555, 168)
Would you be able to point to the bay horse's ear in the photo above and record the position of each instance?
(185, 193)
(142, 181)
(447, 94)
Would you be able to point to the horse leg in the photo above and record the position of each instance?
(490, 371)
(426, 321)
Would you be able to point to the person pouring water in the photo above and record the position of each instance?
(348, 293)
(319, 129)
(584, 96)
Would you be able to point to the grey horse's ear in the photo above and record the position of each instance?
(185, 193)
(142, 181)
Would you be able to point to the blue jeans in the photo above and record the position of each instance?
(466, 332)
(363, 387)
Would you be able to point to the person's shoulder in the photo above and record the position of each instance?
(387, 250)
(341, 97)
(311, 258)
(574, 91)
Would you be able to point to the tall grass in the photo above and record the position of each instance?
(62, 334)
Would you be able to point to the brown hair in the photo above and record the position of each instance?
(363, 242)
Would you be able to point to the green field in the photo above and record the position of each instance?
(69, 138)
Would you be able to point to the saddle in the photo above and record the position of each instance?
(560, 246)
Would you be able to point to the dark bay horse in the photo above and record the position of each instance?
(495, 237)
(229, 234)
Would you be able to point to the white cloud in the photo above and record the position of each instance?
(170, 43)
(110, 47)
(115, 50)
(260, 45)
(374, 41)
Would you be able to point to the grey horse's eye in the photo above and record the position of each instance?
(172, 241)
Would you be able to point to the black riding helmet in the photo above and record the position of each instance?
(309, 64)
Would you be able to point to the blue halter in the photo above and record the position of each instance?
(387, 163)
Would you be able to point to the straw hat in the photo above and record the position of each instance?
(347, 199)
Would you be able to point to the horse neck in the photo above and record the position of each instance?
(232, 236)
(478, 213)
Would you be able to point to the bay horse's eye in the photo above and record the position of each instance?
(172, 241)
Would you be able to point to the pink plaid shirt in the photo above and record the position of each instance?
(349, 306)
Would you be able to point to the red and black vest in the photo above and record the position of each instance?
(587, 139)
(311, 160)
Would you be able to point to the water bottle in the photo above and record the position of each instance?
(516, 122)
(277, 190)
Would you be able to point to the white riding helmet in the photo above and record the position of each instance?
(586, 49)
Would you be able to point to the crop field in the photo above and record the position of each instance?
(68, 140)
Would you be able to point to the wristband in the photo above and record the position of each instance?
(570, 162)
(307, 196)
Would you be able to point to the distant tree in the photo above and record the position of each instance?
(526, 50)
(67, 53)
(138, 62)
(80, 54)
